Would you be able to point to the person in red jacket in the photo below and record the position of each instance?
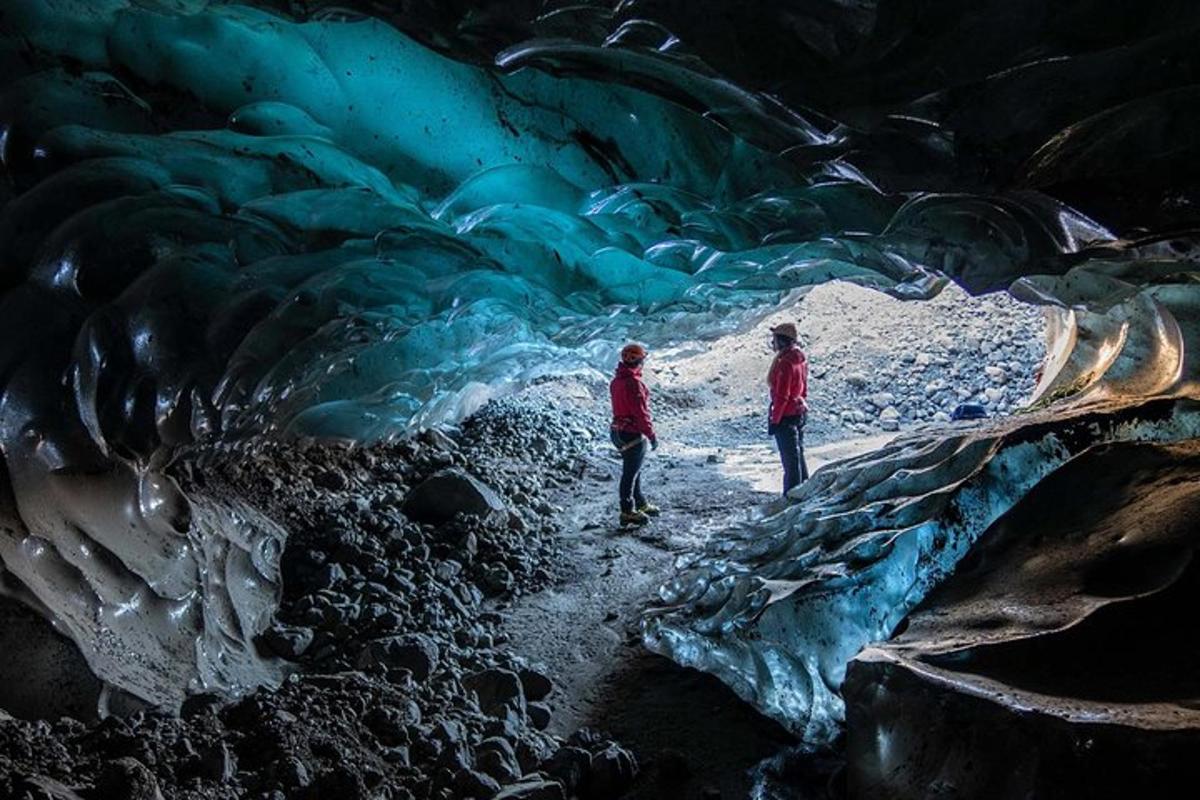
(788, 379)
(632, 433)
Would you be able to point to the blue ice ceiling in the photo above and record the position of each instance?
(217, 220)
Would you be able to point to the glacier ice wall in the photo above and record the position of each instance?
(220, 218)
(1063, 641)
(779, 609)
(223, 220)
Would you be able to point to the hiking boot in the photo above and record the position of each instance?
(649, 509)
(633, 518)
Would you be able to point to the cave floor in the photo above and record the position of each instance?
(699, 738)
(716, 467)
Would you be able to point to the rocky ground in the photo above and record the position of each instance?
(462, 612)
(876, 365)
(404, 686)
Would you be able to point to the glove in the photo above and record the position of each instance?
(654, 443)
(771, 428)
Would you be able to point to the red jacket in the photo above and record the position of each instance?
(789, 384)
(630, 402)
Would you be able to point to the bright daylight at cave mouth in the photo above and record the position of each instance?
(538, 400)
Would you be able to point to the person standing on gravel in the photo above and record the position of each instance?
(632, 433)
(788, 379)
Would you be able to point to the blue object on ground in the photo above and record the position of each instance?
(969, 411)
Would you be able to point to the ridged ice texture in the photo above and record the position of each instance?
(322, 229)
(779, 610)
(218, 220)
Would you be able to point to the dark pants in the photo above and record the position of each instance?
(632, 458)
(789, 435)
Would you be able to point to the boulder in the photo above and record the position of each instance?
(292, 773)
(414, 652)
(449, 492)
(539, 715)
(331, 479)
(496, 578)
(43, 788)
(536, 684)
(128, 779)
(472, 783)
(571, 765)
(496, 757)
(287, 641)
(613, 771)
(533, 790)
(498, 691)
(218, 763)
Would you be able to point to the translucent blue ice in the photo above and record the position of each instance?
(218, 220)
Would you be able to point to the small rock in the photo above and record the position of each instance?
(856, 380)
(881, 400)
(331, 575)
(330, 479)
(218, 763)
(287, 641)
(539, 715)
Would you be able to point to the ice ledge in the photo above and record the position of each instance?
(779, 609)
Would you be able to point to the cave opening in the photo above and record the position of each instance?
(307, 318)
(878, 367)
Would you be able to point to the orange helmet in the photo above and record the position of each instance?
(632, 353)
(786, 330)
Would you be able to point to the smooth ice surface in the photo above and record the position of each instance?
(218, 220)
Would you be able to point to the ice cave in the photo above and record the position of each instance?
(308, 313)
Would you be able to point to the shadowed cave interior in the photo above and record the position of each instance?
(307, 313)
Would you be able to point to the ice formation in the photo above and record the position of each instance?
(351, 236)
(779, 611)
(1031, 646)
(219, 218)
